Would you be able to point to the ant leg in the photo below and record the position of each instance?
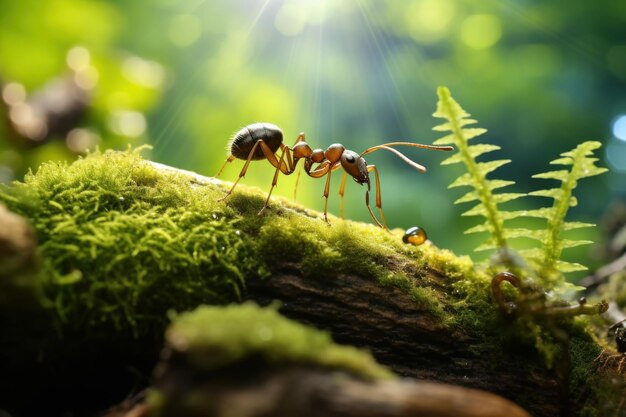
(295, 188)
(326, 190)
(244, 169)
(231, 158)
(367, 204)
(379, 201)
(275, 180)
(508, 307)
(290, 162)
(269, 155)
(342, 190)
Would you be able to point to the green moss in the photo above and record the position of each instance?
(216, 337)
(121, 243)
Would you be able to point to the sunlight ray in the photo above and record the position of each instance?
(257, 18)
(175, 108)
(397, 97)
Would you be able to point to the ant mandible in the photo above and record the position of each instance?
(262, 140)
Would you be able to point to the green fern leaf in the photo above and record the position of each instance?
(532, 253)
(568, 243)
(474, 151)
(582, 165)
(476, 176)
(478, 210)
(505, 197)
(463, 180)
(495, 184)
(470, 196)
(555, 193)
(489, 245)
(576, 225)
(477, 229)
(569, 266)
(542, 213)
(528, 233)
(553, 175)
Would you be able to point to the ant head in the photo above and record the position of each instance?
(356, 166)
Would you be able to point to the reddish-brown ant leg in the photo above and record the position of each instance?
(326, 190)
(243, 170)
(228, 160)
(295, 187)
(322, 169)
(286, 170)
(496, 290)
(379, 201)
(367, 204)
(342, 190)
(268, 154)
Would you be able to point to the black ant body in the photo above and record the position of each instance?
(619, 330)
(262, 140)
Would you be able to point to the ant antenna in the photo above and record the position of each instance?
(418, 167)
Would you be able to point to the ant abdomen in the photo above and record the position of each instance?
(243, 141)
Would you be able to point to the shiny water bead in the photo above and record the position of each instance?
(415, 236)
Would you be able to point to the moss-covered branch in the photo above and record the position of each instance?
(123, 241)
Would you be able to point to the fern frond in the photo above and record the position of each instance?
(582, 165)
(476, 175)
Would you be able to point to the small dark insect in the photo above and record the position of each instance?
(262, 140)
(415, 236)
(619, 329)
(532, 300)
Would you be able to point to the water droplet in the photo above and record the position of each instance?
(121, 198)
(223, 248)
(415, 236)
(215, 216)
(238, 232)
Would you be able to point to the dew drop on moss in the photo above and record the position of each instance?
(215, 216)
(415, 236)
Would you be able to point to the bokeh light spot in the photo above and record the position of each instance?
(619, 128)
(87, 78)
(616, 155)
(28, 121)
(185, 30)
(290, 19)
(481, 31)
(127, 123)
(143, 72)
(81, 140)
(428, 20)
(13, 93)
(78, 58)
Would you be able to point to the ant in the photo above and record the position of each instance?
(262, 140)
(618, 330)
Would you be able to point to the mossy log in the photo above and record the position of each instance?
(122, 241)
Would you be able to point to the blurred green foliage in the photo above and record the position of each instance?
(541, 76)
